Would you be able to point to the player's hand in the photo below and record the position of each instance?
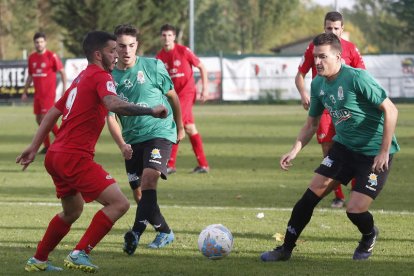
(285, 161)
(24, 97)
(204, 95)
(305, 99)
(180, 134)
(380, 163)
(127, 151)
(27, 157)
(159, 111)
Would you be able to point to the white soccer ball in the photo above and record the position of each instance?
(215, 241)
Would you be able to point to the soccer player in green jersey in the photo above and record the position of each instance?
(144, 142)
(365, 120)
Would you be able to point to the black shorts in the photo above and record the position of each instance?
(149, 154)
(343, 165)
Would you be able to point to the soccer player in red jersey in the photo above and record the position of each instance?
(333, 23)
(179, 61)
(69, 160)
(42, 67)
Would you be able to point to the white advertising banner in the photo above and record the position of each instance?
(273, 78)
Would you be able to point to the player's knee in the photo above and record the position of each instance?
(123, 206)
(72, 215)
(190, 129)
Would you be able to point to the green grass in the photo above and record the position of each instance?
(243, 144)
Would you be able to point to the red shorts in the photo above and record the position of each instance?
(186, 103)
(42, 105)
(326, 129)
(74, 173)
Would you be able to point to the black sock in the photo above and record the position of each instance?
(158, 221)
(148, 211)
(364, 221)
(301, 215)
(144, 210)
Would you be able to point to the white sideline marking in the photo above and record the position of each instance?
(321, 210)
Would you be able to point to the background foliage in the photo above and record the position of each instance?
(232, 27)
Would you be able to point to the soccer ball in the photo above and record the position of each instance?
(215, 241)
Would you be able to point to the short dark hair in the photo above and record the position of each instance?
(94, 41)
(39, 35)
(334, 16)
(328, 39)
(126, 29)
(168, 27)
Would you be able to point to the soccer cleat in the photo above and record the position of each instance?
(33, 265)
(80, 261)
(131, 240)
(162, 239)
(365, 247)
(277, 254)
(199, 169)
(337, 203)
(43, 151)
(171, 170)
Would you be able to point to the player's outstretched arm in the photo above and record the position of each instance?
(28, 155)
(305, 135)
(390, 121)
(116, 105)
(300, 85)
(175, 104)
(116, 134)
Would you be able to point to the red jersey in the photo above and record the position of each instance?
(83, 111)
(179, 63)
(43, 68)
(350, 56)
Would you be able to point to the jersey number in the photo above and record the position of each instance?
(70, 100)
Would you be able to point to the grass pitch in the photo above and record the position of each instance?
(243, 144)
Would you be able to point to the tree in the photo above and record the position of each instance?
(385, 23)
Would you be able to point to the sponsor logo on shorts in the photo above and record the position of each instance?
(132, 177)
(327, 162)
(156, 154)
(372, 182)
(108, 176)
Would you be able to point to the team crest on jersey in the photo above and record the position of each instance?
(340, 93)
(110, 86)
(177, 63)
(373, 182)
(140, 77)
(43, 65)
(127, 83)
(156, 154)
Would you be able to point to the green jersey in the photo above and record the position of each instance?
(352, 100)
(145, 84)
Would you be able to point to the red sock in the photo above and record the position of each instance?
(338, 193)
(46, 142)
(173, 157)
(197, 144)
(353, 182)
(55, 232)
(55, 130)
(99, 227)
